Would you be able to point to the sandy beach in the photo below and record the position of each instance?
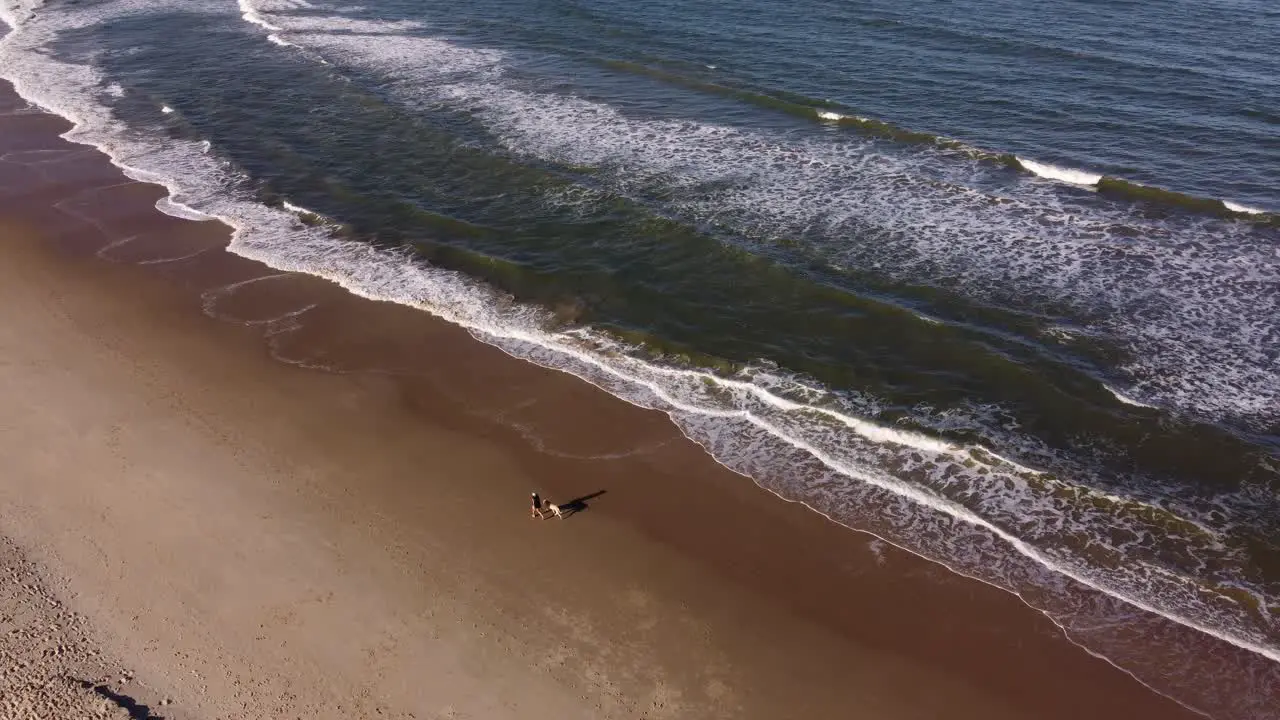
(255, 495)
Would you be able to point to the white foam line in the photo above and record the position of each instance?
(1095, 492)
(103, 252)
(60, 206)
(8, 16)
(894, 488)
(291, 314)
(870, 431)
(209, 298)
(254, 16)
(902, 490)
(250, 14)
(867, 430)
(166, 109)
(224, 289)
(188, 256)
(173, 208)
(1067, 175)
(285, 316)
(835, 116)
(58, 155)
(1236, 207)
(298, 209)
(1066, 633)
(1128, 400)
(917, 495)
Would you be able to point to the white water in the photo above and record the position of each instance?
(298, 209)
(1088, 179)
(1126, 399)
(168, 206)
(1197, 339)
(1235, 207)
(1067, 175)
(763, 424)
(251, 15)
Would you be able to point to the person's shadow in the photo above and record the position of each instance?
(577, 505)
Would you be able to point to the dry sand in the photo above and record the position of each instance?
(323, 514)
(49, 666)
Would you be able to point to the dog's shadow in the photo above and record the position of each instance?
(577, 505)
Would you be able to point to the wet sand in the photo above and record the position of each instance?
(270, 498)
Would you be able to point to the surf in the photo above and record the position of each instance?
(848, 118)
(1067, 175)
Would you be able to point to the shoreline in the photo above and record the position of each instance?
(717, 539)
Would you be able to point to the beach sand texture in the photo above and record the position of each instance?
(260, 496)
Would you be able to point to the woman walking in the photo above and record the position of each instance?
(537, 506)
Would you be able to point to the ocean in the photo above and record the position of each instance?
(997, 282)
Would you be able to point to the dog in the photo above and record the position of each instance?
(554, 508)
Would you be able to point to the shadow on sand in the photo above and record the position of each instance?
(136, 710)
(577, 505)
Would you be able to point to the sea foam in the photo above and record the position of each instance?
(1236, 207)
(251, 15)
(1053, 172)
(1026, 248)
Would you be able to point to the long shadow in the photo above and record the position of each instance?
(579, 504)
(136, 710)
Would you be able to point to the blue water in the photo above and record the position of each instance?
(998, 282)
(1183, 95)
